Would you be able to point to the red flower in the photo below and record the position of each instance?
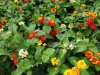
(13, 57)
(16, 62)
(26, 0)
(40, 19)
(53, 33)
(52, 23)
(0, 25)
(42, 38)
(94, 60)
(90, 21)
(31, 35)
(93, 26)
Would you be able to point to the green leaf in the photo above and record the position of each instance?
(97, 67)
(38, 52)
(4, 52)
(47, 28)
(83, 71)
(88, 61)
(45, 58)
(4, 36)
(33, 41)
(73, 60)
(49, 51)
(23, 65)
(53, 71)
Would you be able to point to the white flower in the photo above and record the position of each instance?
(71, 46)
(78, 40)
(1, 30)
(8, 33)
(71, 1)
(62, 26)
(23, 53)
(22, 23)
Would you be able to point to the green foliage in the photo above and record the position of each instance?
(29, 43)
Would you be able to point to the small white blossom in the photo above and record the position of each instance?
(71, 46)
(62, 26)
(72, 1)
(78, 40)
(23, 53)
(22, 23)
(1, 30)
(8, 33)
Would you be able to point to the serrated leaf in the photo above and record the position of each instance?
(45, 58)
(4, 52)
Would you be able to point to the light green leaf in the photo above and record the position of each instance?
(45, 58)
(47, 28)
(83, 71)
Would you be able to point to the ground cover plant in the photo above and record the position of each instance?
(49, 37)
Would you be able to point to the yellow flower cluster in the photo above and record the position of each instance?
(54, 61)
(73, 71)
(81, 64)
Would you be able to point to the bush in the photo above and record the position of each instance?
(49, 37)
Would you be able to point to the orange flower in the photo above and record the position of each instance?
(75, 71)
(89, 54)
(93, 15)
(52, 23)
(53, 10)
(87, 14)
(40, 19)
(4, 21)
(31, 35)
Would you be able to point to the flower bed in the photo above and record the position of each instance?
(49, 37)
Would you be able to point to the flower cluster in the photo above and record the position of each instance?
(73, 71)
(89, 54)
(90, 23)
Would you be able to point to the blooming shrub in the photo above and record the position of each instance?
(49, 37)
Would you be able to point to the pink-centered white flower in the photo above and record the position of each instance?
(23, 53)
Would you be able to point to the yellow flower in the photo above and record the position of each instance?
(54, 61)
(81, 64)
(68, 72)
(75, 12)
(83, 5)
(15, 1)
(39, 42)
